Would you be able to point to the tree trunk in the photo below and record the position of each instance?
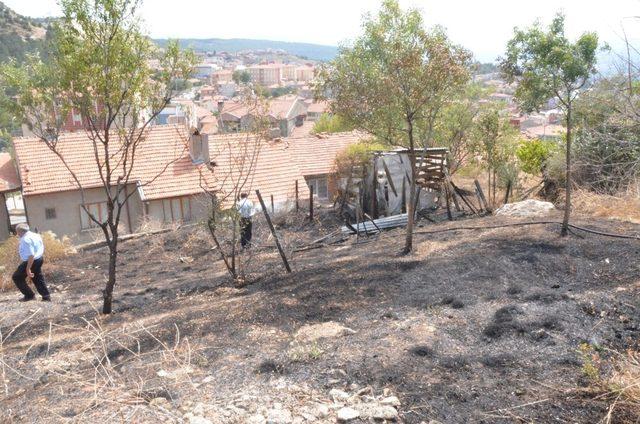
(489, 183)
(408, 245)
(495, 187)
(567, 202)
(111, 281)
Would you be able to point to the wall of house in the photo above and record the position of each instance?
(67, 220)
(4, 219)
(198, 207)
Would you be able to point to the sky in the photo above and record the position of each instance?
(481, 26)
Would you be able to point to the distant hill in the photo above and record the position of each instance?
(20, 35)
(234, 45)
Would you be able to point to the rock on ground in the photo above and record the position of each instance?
(526, 208)
(279, 416)
(347, 414)
(325, 330)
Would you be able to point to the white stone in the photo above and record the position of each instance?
(321, 410)
(338, 395)
(256, 419)
(193, 419)
(391, 400)
(347, 414)
(325, 330)
(279, 416)
(385, 412)
(199, 409)
(526, 208)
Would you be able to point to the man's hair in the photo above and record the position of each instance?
(243, 195)
(22, 228)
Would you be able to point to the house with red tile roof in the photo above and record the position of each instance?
(167, 180)
(286, 113)
(315, 156)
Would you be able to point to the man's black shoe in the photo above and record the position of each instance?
(46, 298)
(26, 298)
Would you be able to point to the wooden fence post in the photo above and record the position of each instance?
(297, 196)
(481, 196)
(507, 193)
(310, 203)
(273, 208)
(273, 232)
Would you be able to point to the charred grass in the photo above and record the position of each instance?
(486, 329)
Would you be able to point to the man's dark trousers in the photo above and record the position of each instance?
(20, 279)
(245, 231)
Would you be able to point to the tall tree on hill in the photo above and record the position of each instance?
(547, 65)
(99, 68)
(393, 82)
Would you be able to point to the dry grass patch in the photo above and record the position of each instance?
(624, 207)
(615, 381)
(624, 387)
(54, 249)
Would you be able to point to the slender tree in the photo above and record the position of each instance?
(99, 68)
(547, 65)
(496, 140)
(236, 161)
(393, 82)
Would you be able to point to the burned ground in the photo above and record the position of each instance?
(480, 326)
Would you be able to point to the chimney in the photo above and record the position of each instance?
(199, 147)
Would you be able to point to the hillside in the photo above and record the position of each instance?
(475, 326)
(20, 35)
(234, 45)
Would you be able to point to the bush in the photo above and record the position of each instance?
(556, 168)
(330, 124)
(533, 155)
(9, 260)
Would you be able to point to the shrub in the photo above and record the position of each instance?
(9, 260)
(533, 155)
(330, 124)
(556, 168)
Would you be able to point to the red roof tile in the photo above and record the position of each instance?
(315, 155)
(43, 172)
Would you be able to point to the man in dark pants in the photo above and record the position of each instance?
(246, 211)
(31, 251)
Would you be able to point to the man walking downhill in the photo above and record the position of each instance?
(246, 211)
(31, 251)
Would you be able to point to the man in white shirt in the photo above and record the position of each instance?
(246, 211)
(31, 251)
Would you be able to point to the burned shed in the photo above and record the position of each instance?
(381, 187)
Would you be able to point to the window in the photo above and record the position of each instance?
(320, 187)
(177, 209)
(99, 212)
(50, 213)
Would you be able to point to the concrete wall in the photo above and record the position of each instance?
(67, 221)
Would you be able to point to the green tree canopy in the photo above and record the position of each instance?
(394, 80)
(547, 65)
(99, 67)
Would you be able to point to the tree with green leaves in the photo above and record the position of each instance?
(496, 139)
(393, 82)
(241, 77)
(99, 68)
(547, 65)
(455, 127)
